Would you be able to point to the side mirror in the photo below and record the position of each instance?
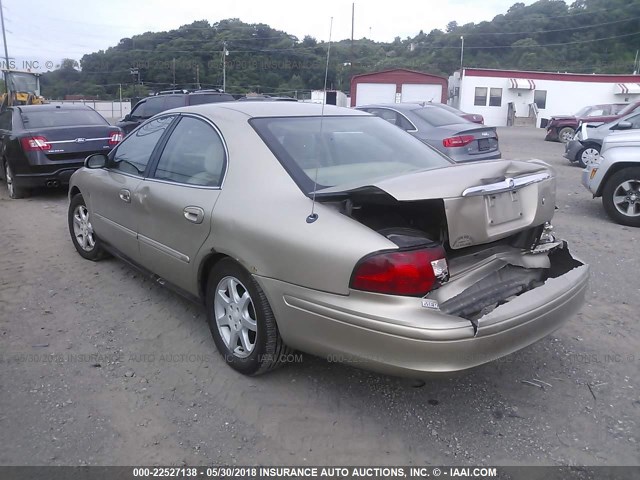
(97, 160)
(127, 118)
(623, 126)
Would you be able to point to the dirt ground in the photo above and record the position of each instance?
(100, 366)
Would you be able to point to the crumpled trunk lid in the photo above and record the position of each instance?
(483, 201)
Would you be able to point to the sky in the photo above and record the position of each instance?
(43, 32)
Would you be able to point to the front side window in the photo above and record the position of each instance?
(133, 154)
(480, 98)
(495, 97)
(540, 99)
(194, 154)
(344, 149)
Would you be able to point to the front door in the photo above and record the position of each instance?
(115, 201)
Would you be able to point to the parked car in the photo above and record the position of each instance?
(615, 176)
(42, 145)
(365, 245)
(586, 144)
(472, 117)
(562, 128)
(150, 106)
(459, 139)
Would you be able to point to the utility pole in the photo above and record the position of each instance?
(461, 54)
(6, 50)
(173, 67)
(198, 76)
(120, 91)
(353, 14)
(224, 66)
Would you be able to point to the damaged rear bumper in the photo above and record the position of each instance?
(397, 335)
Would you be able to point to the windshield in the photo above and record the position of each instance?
(437, 117)
(23, 82)
(59, 117)
(583, 111)
(344, 149)
(627, 109)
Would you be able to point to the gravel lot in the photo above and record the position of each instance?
(99, 365)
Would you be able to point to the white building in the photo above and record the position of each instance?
(511, 97)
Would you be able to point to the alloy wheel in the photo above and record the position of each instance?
(82, 228)
(235, 316)
(626, 198)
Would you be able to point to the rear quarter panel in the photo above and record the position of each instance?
(260, 220)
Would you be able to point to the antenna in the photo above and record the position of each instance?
(313, 216)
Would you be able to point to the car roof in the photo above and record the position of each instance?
(402, 107)
(268, 109)
(48, 106)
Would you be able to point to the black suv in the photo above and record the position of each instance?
(148, 107)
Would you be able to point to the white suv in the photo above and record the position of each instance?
(615, 177)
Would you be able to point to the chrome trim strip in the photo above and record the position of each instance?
(189, 185)
(74, 140)
(164, 249)
(122, 228)
(507, 185)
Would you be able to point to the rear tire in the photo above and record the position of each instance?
(621, 197)
(83, 237)
(241, 321)
(14, 192)
(588, 155)
(565, 134)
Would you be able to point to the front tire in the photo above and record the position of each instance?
(83, 237)
(14, 192)
(588, 155)
(621, 197)
(565, 134)
(241, 321)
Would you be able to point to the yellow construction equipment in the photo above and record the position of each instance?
(21, 88)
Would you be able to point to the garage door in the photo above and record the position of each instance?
(375, 93)
(421, 93)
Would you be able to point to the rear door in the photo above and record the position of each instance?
(115, 201)
(177, 200)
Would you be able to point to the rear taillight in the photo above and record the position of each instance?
(409, 272)
(30, 144)
(115, 138)
(459, 141)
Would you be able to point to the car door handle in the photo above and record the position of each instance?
(125, 195)
(194, 214)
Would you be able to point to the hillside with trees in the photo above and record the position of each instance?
(586, 36)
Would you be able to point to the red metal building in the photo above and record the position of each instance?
(397, 85)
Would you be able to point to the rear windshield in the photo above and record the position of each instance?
(59, 117)
(341, 150)
(437, 117)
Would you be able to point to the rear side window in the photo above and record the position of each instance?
(194, 154)
(5, 119)
(173, 101)
(60, 117)
(200, 98)
(154, 105)
(133, 154)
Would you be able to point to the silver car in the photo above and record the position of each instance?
(334, 233)
(458, 138)
(615, 176)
